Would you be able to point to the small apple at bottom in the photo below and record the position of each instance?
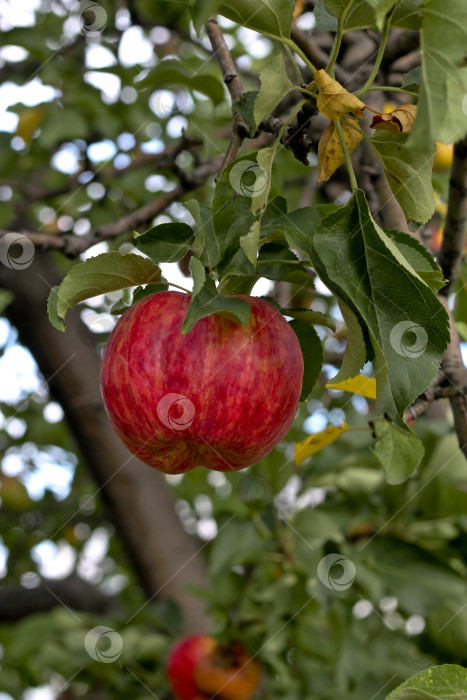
(199, 668)
(221, 396)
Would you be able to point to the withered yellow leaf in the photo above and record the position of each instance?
(299, 7)
(330, 153)
(29, 120)
(400, 119)
(363, 386)
(318, 441)
(333, 100)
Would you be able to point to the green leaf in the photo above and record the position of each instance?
(407, 14)
(413, 77)
(355, 354)
(407, 325)
(105, 273)
(232, 217)
(419, 258)
(313, 355)
(275, 84)
(398, 452)
(304, 315)
(250, 242)
(448, 681)
(205, 300)
(360, 16)
(271, 17)
(287, 268)
(201, 11)
(447, 625)
(238, 542)
(325, 21)
(174, 73)
(245, 106)
(441, 113)
(412, 574)
(265, 159)
(166, 242)
(310, 529)
(381, 7)
(408, 173)
(52, 303)
(210, 253)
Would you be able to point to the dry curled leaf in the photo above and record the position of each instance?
(330, 154)
(400, 119)
(333, 100)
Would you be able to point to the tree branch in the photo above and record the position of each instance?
(449, 260)
(73, 592)
(72, 245)
(234, 86)
(456, 218)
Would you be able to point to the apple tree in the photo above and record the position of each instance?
(301, 166)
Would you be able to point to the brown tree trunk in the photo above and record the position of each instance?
(164, 556)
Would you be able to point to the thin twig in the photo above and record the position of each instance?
(234, 86)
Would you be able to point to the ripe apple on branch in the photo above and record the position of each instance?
(221, 396)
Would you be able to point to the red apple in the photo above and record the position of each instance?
(221, 396)
(198, 668)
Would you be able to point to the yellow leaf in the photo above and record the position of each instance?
(333, 100)
(400, 119)
(29, 120)
(330, 154)
(443, 157)
(299, 7)
(363, 386)
(318, 441)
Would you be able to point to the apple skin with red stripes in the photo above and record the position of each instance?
(220, 396)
